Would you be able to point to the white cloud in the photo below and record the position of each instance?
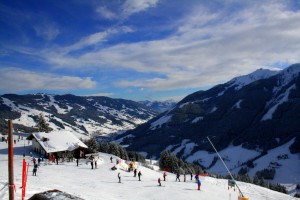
(101, 94)
(106, 13)
(95, 39)
(134, 6)
(208, 47)
(16, 79)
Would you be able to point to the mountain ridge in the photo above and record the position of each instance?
(84, 115)
(261, 114)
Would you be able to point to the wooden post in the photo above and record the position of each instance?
(11, 160)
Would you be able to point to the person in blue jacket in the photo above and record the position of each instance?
(199, 184)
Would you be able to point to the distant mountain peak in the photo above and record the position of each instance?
(159, 106)
(241, 81)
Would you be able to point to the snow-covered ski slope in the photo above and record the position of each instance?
(102, 183)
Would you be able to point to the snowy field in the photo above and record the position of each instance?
(102, 183)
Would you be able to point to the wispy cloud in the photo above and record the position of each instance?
(106, 13)
(134, 6)
(209, 46)
(101, 94)
(93, 40)
(16, 79)
(47, 30)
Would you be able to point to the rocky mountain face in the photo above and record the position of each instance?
(159, 106)
(259, 111)
(85, 115)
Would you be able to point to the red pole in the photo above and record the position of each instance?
(10, 160)
(23, 179)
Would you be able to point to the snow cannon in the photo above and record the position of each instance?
(243, 198)
(231, 184)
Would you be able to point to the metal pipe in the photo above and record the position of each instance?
(10, 160)
(225, 166)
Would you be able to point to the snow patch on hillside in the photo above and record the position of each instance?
(197, 119)
(214, 109)
(179, 146)
(157, 124)
(289, 170)
(10, 104)
(237, 104)
(56, 106)
(279, 100)
(233, 156)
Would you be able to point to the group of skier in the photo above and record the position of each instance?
(138, 173)
(197, 179)
(36, 164)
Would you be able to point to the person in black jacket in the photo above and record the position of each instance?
(135, 171)
(119, 176)
(34, 170)
(177, 176)
(139, 175)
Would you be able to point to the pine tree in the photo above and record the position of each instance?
(92, 145)
(164, 161)
(256, 180)
(42, 125)
(263, 182)
(174, 163)
(123, 153)
(114, 149)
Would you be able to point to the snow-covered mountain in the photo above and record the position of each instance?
(159, 106)
(83, 115)
(102, 183)
(259, 74)
(258, 112)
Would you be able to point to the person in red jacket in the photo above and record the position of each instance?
(164, 175)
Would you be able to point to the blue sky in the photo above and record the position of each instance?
(141, 49)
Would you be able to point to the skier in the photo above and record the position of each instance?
(159, 182)
(196, 177)
(135, 171)
(164, 175)
(191, 176)
(177, 177)
(119, 176)
(111, 159)
(34, 170)
(77, 161)
(39, 161)
(184, 178)
(139, 175)
(95, 164)
(199, 184)
(92, 163)
(34, 161)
